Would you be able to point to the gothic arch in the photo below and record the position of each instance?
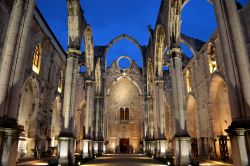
(159, 49)
(89, 49)
(191, 116)
(220, 109)
(98, 76)
(27, 116)
(150, 76)
(129, 78)
(190, 46)
(123, 36)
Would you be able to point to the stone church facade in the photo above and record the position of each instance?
(197, 109)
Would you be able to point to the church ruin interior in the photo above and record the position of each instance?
(71, 104)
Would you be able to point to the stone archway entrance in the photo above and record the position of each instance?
(191, 125)
(27, 118)
(123, 105)
(221, 117)
(124, 145)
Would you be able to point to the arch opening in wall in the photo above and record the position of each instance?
(123, 106)
(37, 56)
(159, 50)
(115, 49)
(221, 116)
(27, 117)
(191, 116)
(200, 17)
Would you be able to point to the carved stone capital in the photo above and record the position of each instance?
(71, 52)
(175, 52)
(89, 82)
(159, 81)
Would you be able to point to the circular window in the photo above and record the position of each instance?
(124, 62)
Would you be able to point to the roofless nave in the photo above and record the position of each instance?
(198, 109)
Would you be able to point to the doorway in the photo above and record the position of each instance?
(124, 145)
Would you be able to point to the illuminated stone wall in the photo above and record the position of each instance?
(124, 92)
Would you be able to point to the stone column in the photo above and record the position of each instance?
(182, 139)
(147, 126)
(9, 148)
(87, 149)
(9, 51)
(150, 138)
(237, 70)
(239, 146)
(12, 71)
(234, 55)
(66, 137)
(97, 143)
(19, 63)
(161, 119)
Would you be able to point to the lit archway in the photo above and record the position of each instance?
(191, 116)
(221, 116)
(124, 104)
(27, 117)
(120, 39)
(220, 109)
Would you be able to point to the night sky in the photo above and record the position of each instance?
(110, 18)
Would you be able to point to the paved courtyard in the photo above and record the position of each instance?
(123, 160)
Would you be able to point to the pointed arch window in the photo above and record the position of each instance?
(212, 59)
(60, 82)
(188, 81)
(126, 113)
(122, 117)
(37, 59)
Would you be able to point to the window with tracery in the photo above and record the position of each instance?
(188, 81)
(60, 82)
(37, 59)
(212, 59)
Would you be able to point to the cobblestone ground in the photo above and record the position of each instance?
(123, 160)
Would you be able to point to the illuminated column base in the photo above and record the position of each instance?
(146, 146)
(98, 147)
(163, 148)
(104, 148)
(157, 149)
(9, 146)
(152, 145)
(66, 150)
(239, 150)
(87, 149)
(182, 150)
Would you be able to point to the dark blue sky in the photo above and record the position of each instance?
(110, 18)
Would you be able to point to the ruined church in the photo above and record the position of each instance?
(64, 103)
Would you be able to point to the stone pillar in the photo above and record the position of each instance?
(239, 146)
(66, 150)
(182, 140)
(9, 51)
(19, 63)
(97, 117)
(234, 55)
(89, 119)
(150, 135)
(161, 125)
(66, 137)
(237, 69)
(97, 125)
(9, 147)
(12, 73)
